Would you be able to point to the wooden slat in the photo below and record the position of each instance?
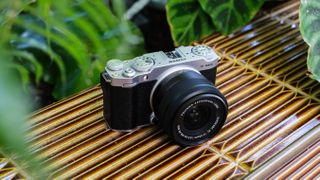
(273, 105)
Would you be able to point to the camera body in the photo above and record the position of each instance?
(133, 90)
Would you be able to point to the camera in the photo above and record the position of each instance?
(172, 89)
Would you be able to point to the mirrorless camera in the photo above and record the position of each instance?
(173, 89)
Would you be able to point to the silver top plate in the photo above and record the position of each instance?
(149, 67)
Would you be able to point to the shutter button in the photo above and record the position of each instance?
(129, 72)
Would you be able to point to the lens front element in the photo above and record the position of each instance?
(200, 118)
(196, 116)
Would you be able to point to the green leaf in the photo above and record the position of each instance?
(24, 74)
(188, 22)
(32, 43)
(27, 56)
(84, 25)
(64, 37)
(230, 15)
(310, 28)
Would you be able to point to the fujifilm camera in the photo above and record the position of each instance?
(173, 89)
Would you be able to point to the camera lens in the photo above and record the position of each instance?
(189, 108)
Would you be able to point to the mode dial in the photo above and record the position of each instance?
(201, 50)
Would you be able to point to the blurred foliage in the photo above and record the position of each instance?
(14, 107)
(310, 27)
(64, 43)
(191, 20)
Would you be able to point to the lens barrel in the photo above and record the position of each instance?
(189, 108)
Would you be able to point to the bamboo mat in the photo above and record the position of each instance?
(272, 130)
